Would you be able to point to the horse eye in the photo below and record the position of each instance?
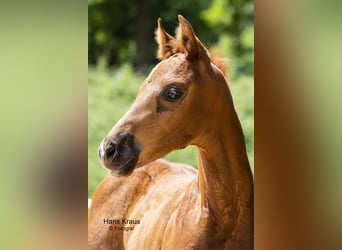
(173, 94)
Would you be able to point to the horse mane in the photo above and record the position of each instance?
(221, 63)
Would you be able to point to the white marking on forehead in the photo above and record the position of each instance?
(149, 91)
(174, 58)
(139, 110)
(151, 73)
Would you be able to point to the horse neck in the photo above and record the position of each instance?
(225, 178)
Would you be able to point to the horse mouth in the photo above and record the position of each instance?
(124, 168)
(119, 154)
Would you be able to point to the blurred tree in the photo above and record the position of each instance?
(234, 21)
(122, 31)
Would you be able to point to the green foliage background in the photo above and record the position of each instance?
(118, 63)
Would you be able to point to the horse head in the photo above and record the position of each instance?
(175, 106)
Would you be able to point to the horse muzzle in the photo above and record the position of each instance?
(119, 154)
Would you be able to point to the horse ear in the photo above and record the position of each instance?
(168, 45)
(194, 49)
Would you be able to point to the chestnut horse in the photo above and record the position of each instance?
(148, 203)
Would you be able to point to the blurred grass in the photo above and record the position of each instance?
(110, 94)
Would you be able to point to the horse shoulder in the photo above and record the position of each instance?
(170, 210)
(111, 201)
(121, 190)
(153, 187)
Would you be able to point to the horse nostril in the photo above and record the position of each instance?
(115, 148)
(101, 151)
(111, 152)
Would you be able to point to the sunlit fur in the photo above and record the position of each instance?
(178, 206)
